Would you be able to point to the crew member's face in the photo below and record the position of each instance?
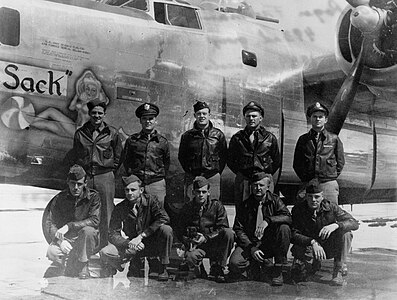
(76, 187)
(148, 122)
(318, 120)
(314, 200)
(260, 187)
(201, 194)
(253, 119)
(96, 115)
(202, 117)
(91, 91)
(133, 191)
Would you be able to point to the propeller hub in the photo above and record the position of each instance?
(365, 18)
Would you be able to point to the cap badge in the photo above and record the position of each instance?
(318, 105)
(146, 106)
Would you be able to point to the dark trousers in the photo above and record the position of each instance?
(83, 245)
(158, 244)
(275, 243)
(217, 249)
(337, 246)
(104, 184)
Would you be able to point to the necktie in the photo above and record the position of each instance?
(259, 217)
(314, 216)
(135, 210)
(254, 138)
(201, 211)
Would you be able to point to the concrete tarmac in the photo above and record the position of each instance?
(372, 264)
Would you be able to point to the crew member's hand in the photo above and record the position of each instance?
(200, 239)
(133, 244)
(258, 255)
(60, 234)
(261, 229)
(65, 246)
(326, 231)
(319, 252)
(140, 246)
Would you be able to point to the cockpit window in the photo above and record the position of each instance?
(176, 15)
(9, 26)
(182, 16)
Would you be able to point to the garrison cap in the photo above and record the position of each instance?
(147, 109)
(76, 172)
(199, 182)
(200, 105)
(260, 175)
(94, 103)
(313, 187)
(130, 179)
(317, 107)
(253, 106)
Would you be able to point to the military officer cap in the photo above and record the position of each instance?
(76, 172)
(94, 103)
(130, 179)
(316, 107)
(313, 187)
(253, 106)
(199, 182)
(147, 109)
(260, 175)
(200, 105)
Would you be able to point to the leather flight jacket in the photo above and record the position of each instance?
(210, 219)
(147, 157)
(150, 217)
(203, 153)
(99, 155)
(306, 226)
(275, 213)
(65, 209)
(320, 158)
(261, 156)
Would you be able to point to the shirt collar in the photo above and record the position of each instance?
(153, 135)
(259, 129)
(313, 133)
(99, 129)
(206, 129)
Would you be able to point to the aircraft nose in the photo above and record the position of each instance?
(365, 18)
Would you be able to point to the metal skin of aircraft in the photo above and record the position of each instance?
(55, 56)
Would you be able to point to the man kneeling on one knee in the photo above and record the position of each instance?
(144, 223)
(262, 229)
(320, 230)
(204, 229)
(72, 223)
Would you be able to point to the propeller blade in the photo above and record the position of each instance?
(344, 99)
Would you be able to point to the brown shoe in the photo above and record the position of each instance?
(337, 278)
(163, 274)
(216, 273)
(316, 266)
(85, 272)
(277, 279)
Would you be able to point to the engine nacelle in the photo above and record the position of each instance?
(375, 29)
